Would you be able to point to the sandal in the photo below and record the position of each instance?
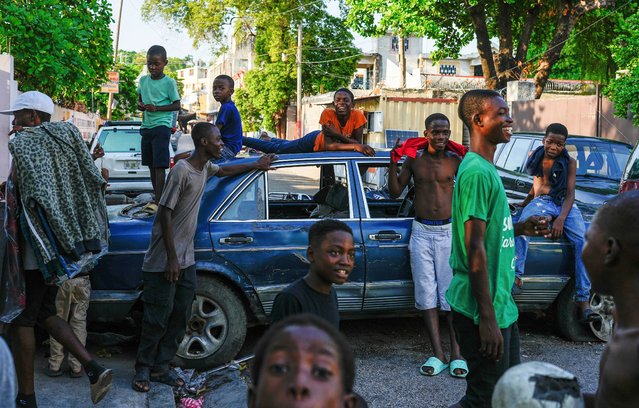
(141, 381)
(458, 365)
(169, 378)
(436, 364)
(53, 373)
(148, 210)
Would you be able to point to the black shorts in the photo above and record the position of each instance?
(155, 147)
(40, 300)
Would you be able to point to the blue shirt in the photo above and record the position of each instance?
(229, 118)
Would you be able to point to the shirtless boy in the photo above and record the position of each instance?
(433, 172)
(612, 258)
(553, 193)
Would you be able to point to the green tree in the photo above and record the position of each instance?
(328, 54)
(624, 90)
(126, 100)
(452, 24)
(61, 47)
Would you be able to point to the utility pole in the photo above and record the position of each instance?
(299, 80)
(115, 56)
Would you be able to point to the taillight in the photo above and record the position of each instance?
(171, 163)
(628, 185)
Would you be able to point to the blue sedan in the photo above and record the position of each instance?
(250, 244)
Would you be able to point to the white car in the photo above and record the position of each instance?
(123, 157)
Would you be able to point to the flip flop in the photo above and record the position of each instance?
(436, 364)
(148, 210)
(141, 377)
(169, 378)
(101, 386)
(457, 365)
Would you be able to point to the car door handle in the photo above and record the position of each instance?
(385, 236)
(520, 183)
(236, 240)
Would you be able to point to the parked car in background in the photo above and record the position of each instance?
(123, 157)
(251, 242)
(630, 178)
(600, 165)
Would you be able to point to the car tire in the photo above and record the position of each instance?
(568, 322)
(216, 330)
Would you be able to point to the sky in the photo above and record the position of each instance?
(137, 35)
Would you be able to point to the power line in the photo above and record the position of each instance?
(332, 60)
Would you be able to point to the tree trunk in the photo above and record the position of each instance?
(478, 17)
(402, 63)
(568, 16)
(524, 40)
(505, 60)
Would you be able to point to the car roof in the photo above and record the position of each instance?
(379, 154)
(573, 137)
(113, 123)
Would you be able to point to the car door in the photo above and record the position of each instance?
(510, 164)
(389, 283)
(265, 235)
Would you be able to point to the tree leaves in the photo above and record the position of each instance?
(60, 48)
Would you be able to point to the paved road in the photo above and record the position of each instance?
(390, 351)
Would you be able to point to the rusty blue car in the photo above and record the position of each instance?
(250, 244)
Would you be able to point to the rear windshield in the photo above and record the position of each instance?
(598, 158)
(119, 140)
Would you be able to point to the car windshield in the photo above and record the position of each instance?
(599, 159)
(119, 140)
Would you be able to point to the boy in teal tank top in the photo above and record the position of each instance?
(483, 252)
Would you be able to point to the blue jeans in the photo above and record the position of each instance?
(574, 230)
(301, 145)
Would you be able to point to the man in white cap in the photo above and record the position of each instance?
(33, 148)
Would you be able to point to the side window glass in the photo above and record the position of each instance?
(518, 155)
(378, 200)
(249, 205)
(501, 160)
(312, 191)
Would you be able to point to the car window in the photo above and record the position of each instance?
(119, 141)
(598, 158)
(308, 191)
(501, 160)
(380, 204)
(249, 205)
(632, 169)
(518, 155)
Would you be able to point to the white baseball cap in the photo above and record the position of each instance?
(31, 100)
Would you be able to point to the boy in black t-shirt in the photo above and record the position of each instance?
(331, 252)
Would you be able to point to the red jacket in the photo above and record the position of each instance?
(411, 146)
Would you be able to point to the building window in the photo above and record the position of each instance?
(447, 69)
(191, 72)
(395, 44)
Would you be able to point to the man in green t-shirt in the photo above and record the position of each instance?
(483, 251)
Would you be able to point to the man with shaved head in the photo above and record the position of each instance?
(611, 256)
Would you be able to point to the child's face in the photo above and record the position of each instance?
(343, 104)
(222, 90)
(155, 64)
(554, 144)
(332, 259)
(301, 368)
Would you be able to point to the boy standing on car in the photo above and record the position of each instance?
(169, 264)
(553, 194)
(331, 254)
(433, 171)
(483, 253)
(157, 98)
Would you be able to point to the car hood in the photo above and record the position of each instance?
(592, 192)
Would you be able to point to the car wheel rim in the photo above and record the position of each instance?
(602, 305)
(206, 330)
